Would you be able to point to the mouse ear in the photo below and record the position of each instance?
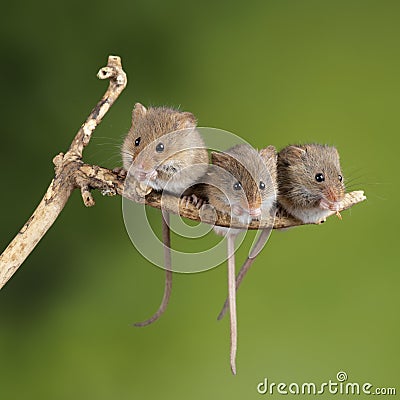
(335, 151)
(186, 120)
(268, 154)
(138, 111)
(293, 153)
(269, 157)
(220, 159)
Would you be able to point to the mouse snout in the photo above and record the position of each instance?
(140, 166)
(142, 172)
(253, 210)
(333, 195)
(330, 205)
(144, 164)
(254, 206)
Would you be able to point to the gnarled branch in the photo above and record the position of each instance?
(66, 179)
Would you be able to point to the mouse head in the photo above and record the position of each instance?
(310, 175)
(245, 180)
(147, 131)
(164, 149)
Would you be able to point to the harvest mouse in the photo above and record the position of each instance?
(163, 145)
(244, 180)
(310, 180)
(164, 151)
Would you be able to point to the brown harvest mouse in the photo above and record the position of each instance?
(164, 151)
(163, 145)
(311, 183)
(244, 180)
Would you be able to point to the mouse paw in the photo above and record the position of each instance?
(196, 201)
(121, 172)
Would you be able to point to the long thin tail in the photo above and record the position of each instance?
(232, 300)
(246, 266)
(168, 272)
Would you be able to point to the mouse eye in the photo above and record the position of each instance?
(262, 185)
(137, 141)
(319, 177)
(237, 186)
(159, 148)
(340, 178)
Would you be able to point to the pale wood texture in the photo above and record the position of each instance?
(68, 176)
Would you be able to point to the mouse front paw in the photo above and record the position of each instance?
(196, 201)
(121, 172)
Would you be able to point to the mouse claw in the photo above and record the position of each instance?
(185, 200)
(196, 201)
(120, 171)
(153, 175)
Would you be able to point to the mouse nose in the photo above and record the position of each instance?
(254, 207)
(333, 195)
(143, 166)
(140, 166)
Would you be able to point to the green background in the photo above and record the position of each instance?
(320, 299)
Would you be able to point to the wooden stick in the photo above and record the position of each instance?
(65, 179)
(110, 183)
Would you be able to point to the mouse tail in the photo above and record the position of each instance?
(168, 273)
(243, 271)
(232, 301)
(264, 235)
(164, 301)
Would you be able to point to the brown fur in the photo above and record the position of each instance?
(243, 164)
(183, 147)
(299, 191)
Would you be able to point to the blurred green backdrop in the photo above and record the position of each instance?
(318, 300)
